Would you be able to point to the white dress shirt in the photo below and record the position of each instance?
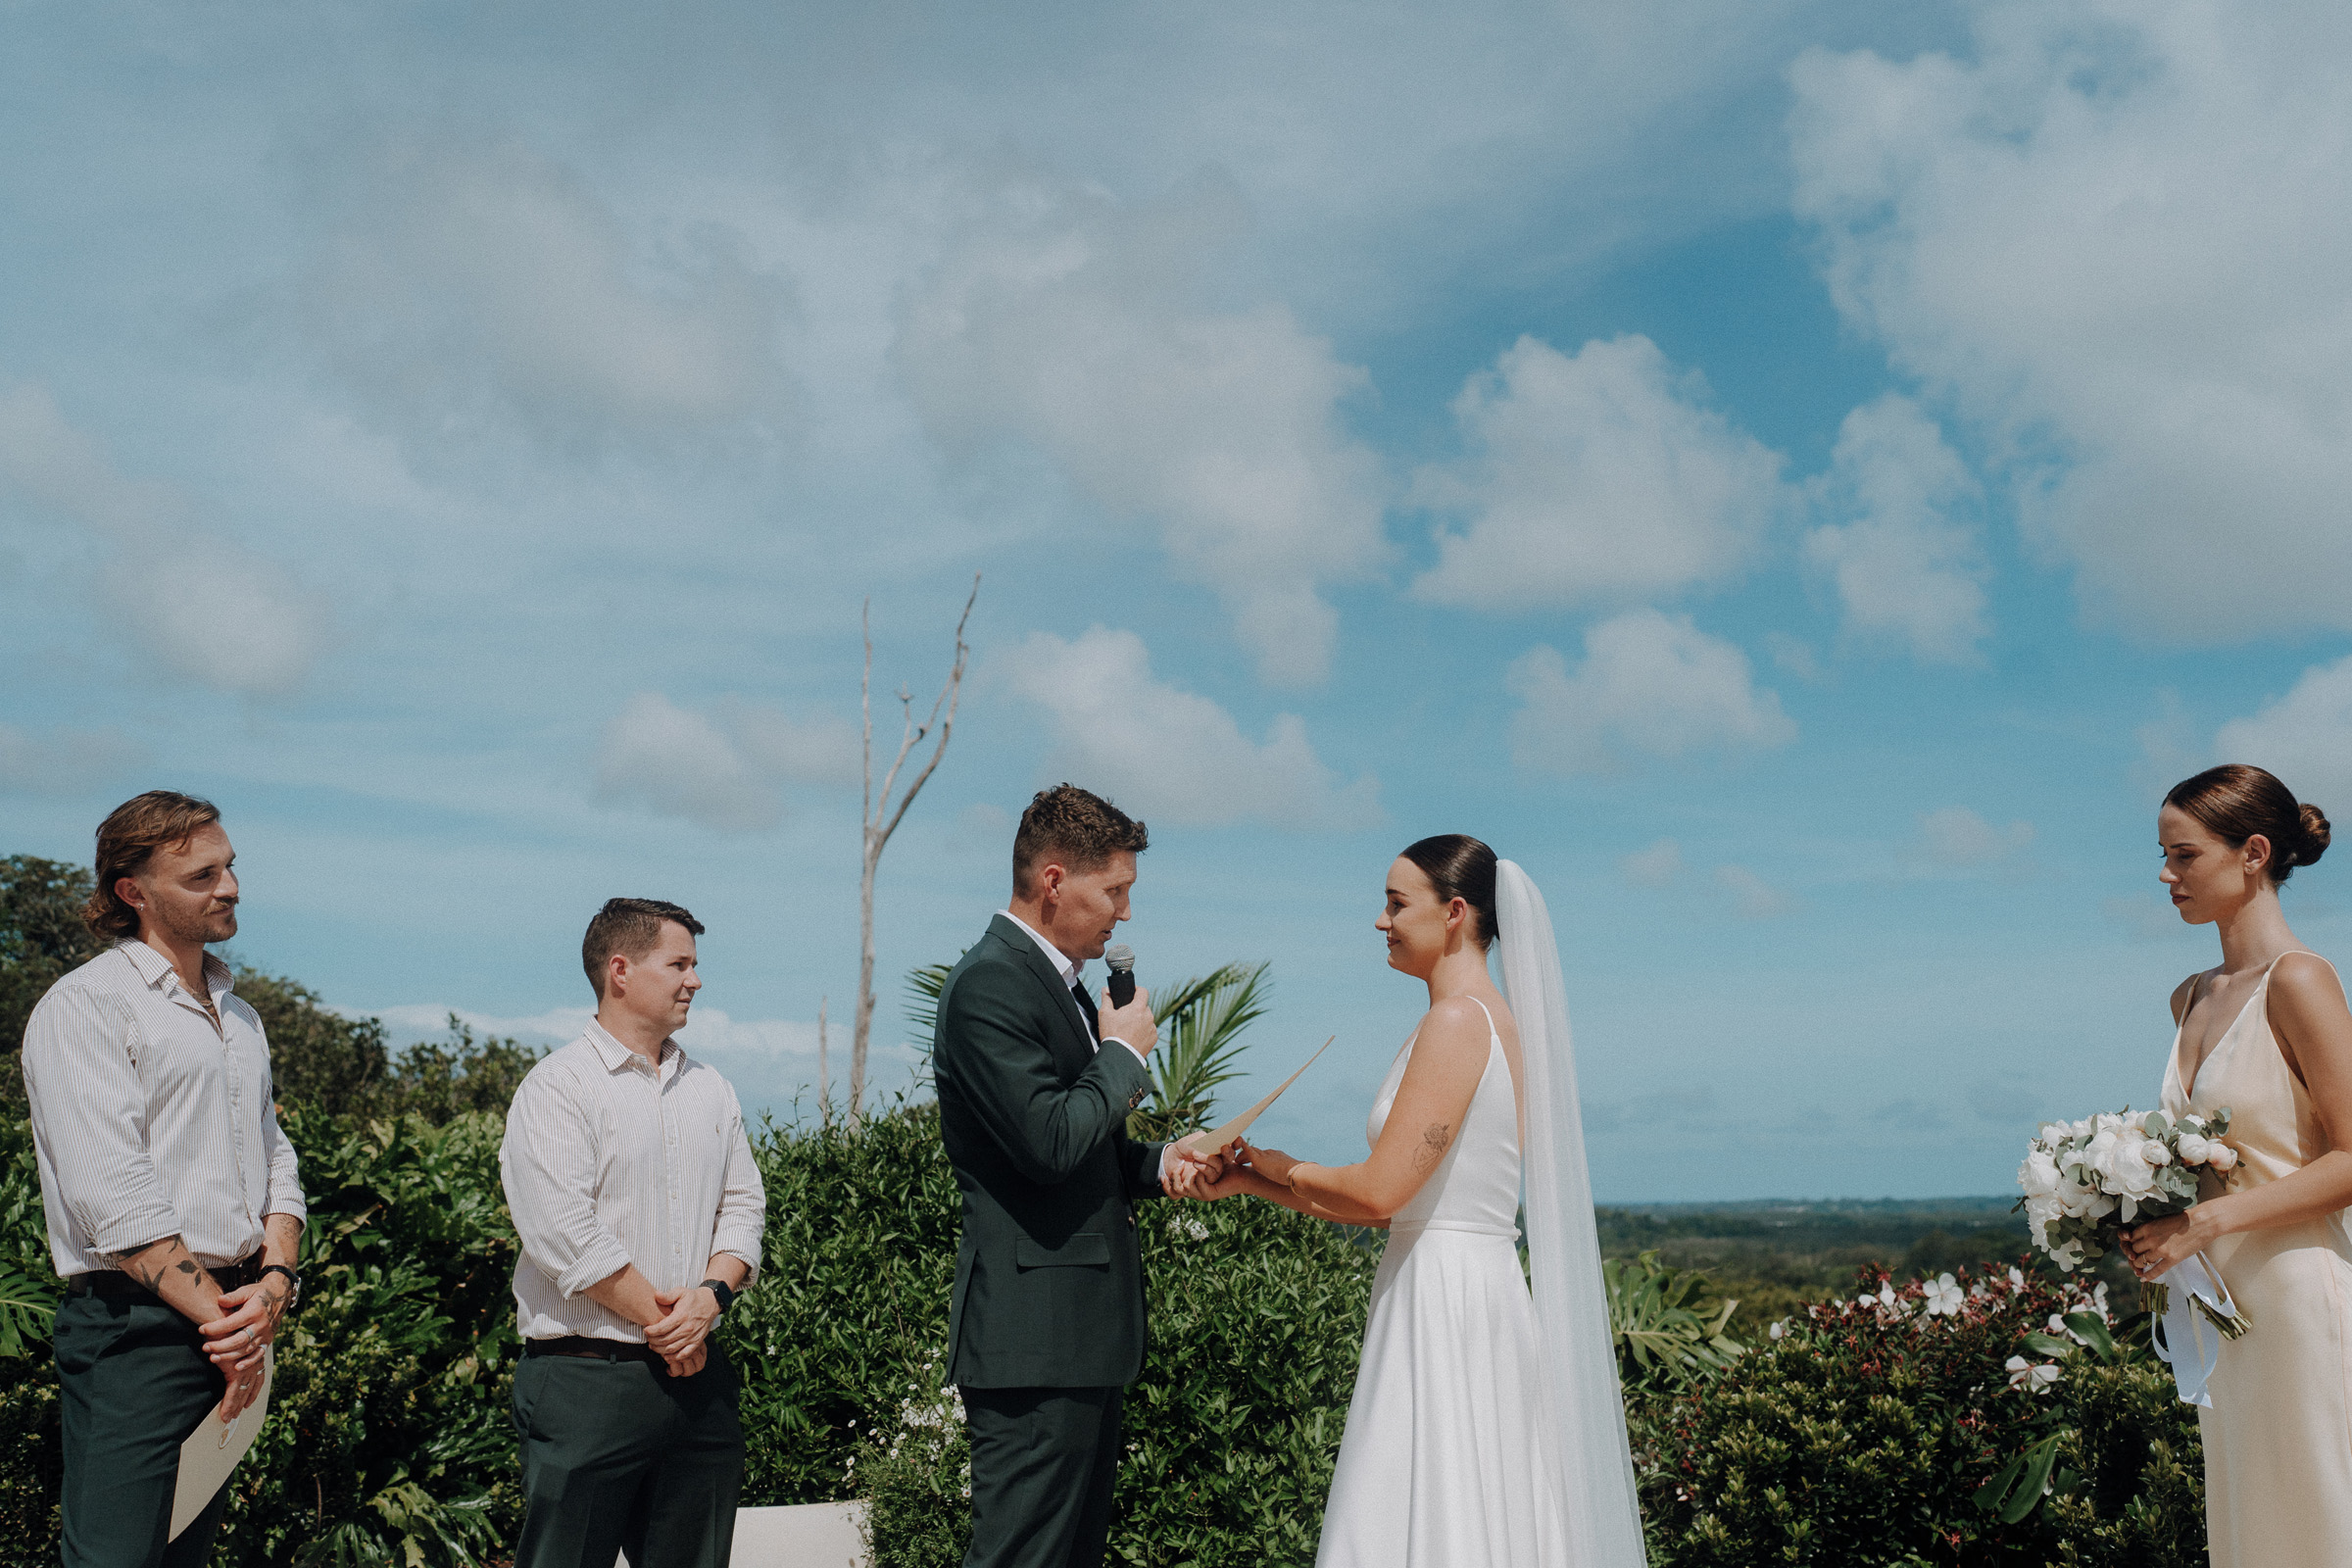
(1068, 968)
(610, 1160)
(149, 1120)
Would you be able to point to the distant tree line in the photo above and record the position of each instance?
(320, 1059)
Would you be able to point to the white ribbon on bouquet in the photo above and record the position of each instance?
(2184, 1337)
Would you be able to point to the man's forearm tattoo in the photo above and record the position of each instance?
(1434, 1143)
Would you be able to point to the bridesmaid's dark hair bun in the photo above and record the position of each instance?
(2236, 802)
(2315, 835)
(1460, 867)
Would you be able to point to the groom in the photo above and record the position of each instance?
(1034, 1081)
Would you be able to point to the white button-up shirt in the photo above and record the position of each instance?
(1069, 969)
(149, 1120)
(611, 1160)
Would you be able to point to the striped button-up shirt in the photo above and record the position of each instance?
(611, 1160)
(150, 1119)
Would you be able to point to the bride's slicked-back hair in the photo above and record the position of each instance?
(2236, 802)
(1460, 867)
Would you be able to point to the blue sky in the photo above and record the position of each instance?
(1800, 480)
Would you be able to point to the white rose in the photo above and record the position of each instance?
(2223, 1156)
(2194, 1150)
(2155, 1154)
(2038, 1175)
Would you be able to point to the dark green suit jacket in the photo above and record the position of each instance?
(1049, 1274)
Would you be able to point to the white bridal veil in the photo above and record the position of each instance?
(1581, 1397)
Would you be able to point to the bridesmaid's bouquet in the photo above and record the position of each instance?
(2084, 1181)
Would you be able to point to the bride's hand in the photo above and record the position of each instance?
(1271, 1163)
(2158, 1245)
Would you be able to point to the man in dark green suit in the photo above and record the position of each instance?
(1035, 1083)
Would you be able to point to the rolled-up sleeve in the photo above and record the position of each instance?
(285, 1170)
(742, 1203)
(548, 1160)
(90, 1110)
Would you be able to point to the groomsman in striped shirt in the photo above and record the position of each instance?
(171, 1196)
(640, 1211)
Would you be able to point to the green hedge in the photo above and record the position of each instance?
(1860, 1436)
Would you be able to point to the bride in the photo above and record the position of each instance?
(1487, 1428)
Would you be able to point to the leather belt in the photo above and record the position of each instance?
(115, 1285)
(581, 1345)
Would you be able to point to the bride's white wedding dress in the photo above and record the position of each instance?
(1448, 1459)
(1487, 1428)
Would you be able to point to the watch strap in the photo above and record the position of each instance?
(724, 1291)
(293, 1280)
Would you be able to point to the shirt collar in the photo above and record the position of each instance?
(1064, 964)
(156, 970)
(615, 1056)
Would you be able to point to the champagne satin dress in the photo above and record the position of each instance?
(2278, 1438)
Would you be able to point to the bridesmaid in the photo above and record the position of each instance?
(2267, 1035)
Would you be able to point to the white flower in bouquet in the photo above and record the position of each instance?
(2223, 1158)
(2040, 1175)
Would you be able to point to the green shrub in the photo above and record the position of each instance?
(1257, 1320)
(1866, 1432)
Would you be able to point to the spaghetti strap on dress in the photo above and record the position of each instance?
(2278, 1438)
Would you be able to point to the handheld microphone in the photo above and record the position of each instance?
(1121, 988)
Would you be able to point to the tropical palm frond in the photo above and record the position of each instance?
(1661, 1336)
(26, 1308)
(923, 985)
(1200, 1024)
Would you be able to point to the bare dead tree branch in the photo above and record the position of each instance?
(879, 821)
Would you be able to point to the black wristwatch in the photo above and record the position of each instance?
(293, 1281)
(724, 1292)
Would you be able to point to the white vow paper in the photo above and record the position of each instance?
(1223, 1137)
(213, 1449)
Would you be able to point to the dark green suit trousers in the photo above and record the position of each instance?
(133, 1380)
(619, 1457)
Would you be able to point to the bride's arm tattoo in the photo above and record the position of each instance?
(1433, 1147)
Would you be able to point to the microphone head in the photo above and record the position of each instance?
(1121, 956)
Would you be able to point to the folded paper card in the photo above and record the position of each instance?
(1223, 1137)
(213, 1449)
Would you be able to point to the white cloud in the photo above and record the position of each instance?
(1654, 867)
(62, 761)
(2305, 737)
(206, 610)
(1650, 685)
(1904, 569)
(1752, 897)
(721, 773)
(1593, 478)
(1066, 322)
(1166, 754)
(473, 289)
(1956, 836)
(2114, 233)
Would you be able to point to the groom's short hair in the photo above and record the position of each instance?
(1077, 827)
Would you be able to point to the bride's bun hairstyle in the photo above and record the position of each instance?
(2236, 802)
(1460, 867)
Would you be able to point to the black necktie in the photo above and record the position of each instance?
(1086, 1006)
